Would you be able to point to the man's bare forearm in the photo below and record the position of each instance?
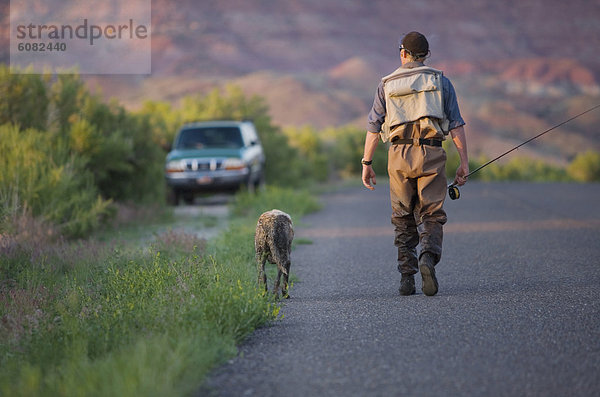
(371, 141)
(460, 141)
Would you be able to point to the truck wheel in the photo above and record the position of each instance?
(173, 196)
(188, 198)
(259, 184)
(250, 185)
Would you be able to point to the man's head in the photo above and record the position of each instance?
(414, 47)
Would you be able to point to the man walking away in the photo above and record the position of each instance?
(414, 109)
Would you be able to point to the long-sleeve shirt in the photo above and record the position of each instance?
(376, 115)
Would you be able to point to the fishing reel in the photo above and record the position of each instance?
(453, 192)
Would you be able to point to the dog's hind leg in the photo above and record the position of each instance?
(277, 281)
(286, 276)
(261, 258)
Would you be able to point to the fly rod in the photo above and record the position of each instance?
(453, 191)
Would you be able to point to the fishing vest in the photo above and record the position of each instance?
(414, 94)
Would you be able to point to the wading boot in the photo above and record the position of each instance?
(407, 285)
(427, 269)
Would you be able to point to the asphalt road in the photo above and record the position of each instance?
(517, 314)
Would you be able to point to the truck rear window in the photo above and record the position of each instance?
(210, 137)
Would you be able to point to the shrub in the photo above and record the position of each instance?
(345, 147)
(117, 147)
(40, 177)
(585, 167)
(523, 169)
(23, 99)
(67, 155)
(163, 122)
(516, 169)
(312, 160)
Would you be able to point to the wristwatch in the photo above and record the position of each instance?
(365, 162)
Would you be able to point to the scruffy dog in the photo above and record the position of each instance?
(273, 242)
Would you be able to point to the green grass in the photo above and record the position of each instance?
(302, 241)
(293, 201)
(108, 318)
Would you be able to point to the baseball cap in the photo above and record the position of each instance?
(415, 43)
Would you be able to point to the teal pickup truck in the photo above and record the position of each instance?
(215, 156)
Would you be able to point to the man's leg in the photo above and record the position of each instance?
(406, 240)
(431, 218)
(429, 211)
(403, 195)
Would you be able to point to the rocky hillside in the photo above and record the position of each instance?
(518, 66)
(242, 36)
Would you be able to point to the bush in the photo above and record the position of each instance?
(523, 169)
(40, 177)
(67, 155)
(163, 122)
(116, 146)
(311, 162)
(585, 167)
(23, 99)
(345, 147)
(516, 169)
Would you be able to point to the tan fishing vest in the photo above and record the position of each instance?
(413, 95)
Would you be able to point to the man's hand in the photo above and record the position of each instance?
(461, 172)
(368, 175)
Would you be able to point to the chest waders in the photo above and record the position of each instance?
(414, 125)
